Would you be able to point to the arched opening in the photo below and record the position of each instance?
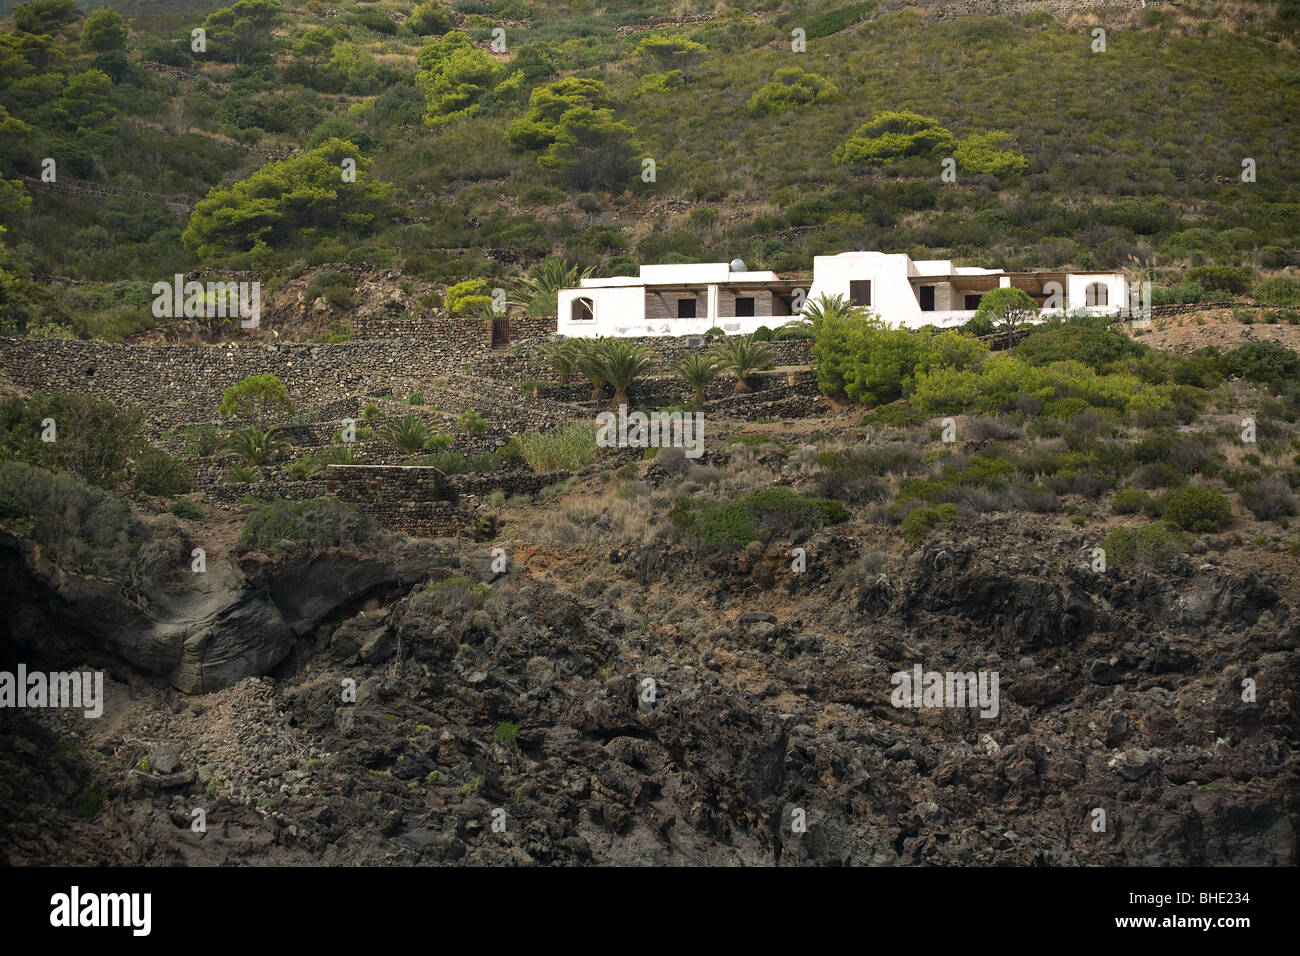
(1097, 294)
(582, 310)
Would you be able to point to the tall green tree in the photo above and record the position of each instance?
(105, 30)
(306, 191)
(243, 31)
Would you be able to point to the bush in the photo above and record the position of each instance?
(190, 510)
(473, 424)
(158, 473)
(1197, 508)
(766, 513)
(1262, 362)
(1152, 545)
(332, 285)
(918, 524)
(1279, 290)
(1269, 498)
(1236, 279)
(407, 434)
(314, 524)
(85, 528)
(93, 437)
(254, 397)
(1130, 501)
(560, 449)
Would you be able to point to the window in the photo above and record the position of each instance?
(860, 291)
(1096, 295)
(973, 302)
(582, 310)
(744, 305)
(927, 298)
(685, 308)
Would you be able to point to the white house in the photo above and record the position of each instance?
(691, 298)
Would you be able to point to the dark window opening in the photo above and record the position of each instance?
(583, 310)
(745, 306)
(685, 308)
(973, 302)
(927, 298)
(860, 291)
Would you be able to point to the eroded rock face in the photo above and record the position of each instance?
(767, 705)
(209, 631)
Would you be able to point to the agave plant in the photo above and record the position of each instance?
(408, 434)
(742, 357)
(539, 290)
(697, 370)
(255, 446)
(623, 362)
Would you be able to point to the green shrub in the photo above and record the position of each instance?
(158, 473)
(334, 286)
(1154, 544)
(1130, 501)
(1279, 290)
(918, 524)
(560, 449)
(312, 525)
(190, 510)
(1236, 279)
(1262, 362)
(254, 397)
(85, 528)
(1197, 508)
(203, 440)
(1269, 498)
(766, 513)
(254, 445)
(473, 424)
(93, 437)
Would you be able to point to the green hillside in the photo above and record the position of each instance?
(473, 163)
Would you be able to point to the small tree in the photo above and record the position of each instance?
(104, 30)
(254, 397)
(1007, 307)
(697, 370)
(742, 357)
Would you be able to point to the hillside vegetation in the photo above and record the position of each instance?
(477, 164)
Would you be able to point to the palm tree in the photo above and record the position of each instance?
(623, 361)
(697, 370)
(591, 363)
(408, 434)
(255, 446)
(742, 356)
(829, 308)
(562, 357)
(540, 288)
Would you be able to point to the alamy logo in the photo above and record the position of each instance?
(946, 689)
(657, 430)
(103, 909)
(214, 300)
(59, 689)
